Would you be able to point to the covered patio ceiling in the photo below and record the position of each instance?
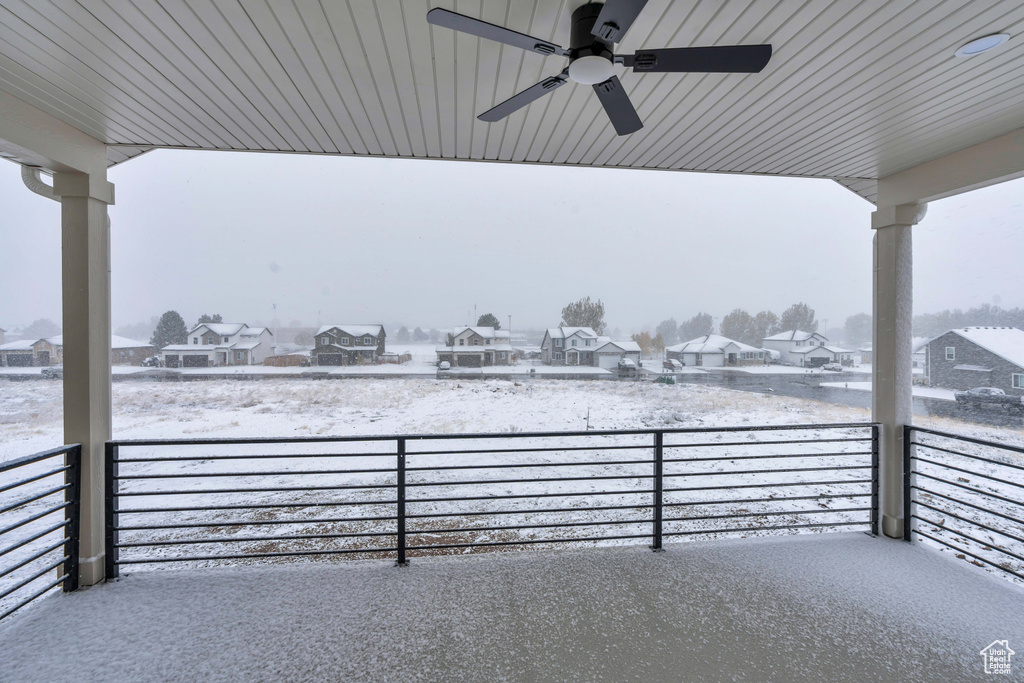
(855, 90)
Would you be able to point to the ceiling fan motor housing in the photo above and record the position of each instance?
(590, 59)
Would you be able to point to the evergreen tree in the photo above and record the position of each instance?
(403, 335)
(488, 320)
(170, 330)
(418, 335)
(584, 313)
(39, 329)
(206, 319)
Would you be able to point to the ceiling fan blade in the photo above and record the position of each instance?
(725, 59)
(521, 99)
(618, 107)
(481, 29)
(615, 19)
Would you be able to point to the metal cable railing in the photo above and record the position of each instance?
(966, 496)
(223, 500)
(39, 526)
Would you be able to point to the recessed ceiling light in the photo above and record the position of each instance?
(984, 44)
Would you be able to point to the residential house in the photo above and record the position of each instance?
(17, 354)
(557, 340)
(348, 344)
(475, 347)
(807, 349)
(919, 355)
(971, 357)
(220, 344)
(583, 346)
(714, 350)
(50, 351)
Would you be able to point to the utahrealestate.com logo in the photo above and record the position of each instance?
(997, 657)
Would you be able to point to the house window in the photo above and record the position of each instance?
(368, 341)
(476, 341)
(950, 353)
(586, 343)
(1017, 380)
(488, 342)
(325, 340)
(462, 342)
(195, 340)
(344, 341)
(558, 355)
(239, 355)
(558, 343)
(501, 355)
(574, 342)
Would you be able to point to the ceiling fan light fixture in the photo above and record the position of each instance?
(591, 70)
(983, 44)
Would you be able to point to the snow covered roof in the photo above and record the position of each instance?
(918, 344)
(563, 332)
(709, 343)
(192, 347)
(20, 345)
(794, 335)
(354, 330)
(223, 329)
(485, 332)
(836, 349)
(125, 343)
(1006, 342)
(253, 331)
(627, 346)
(245, 346)
(474, 349)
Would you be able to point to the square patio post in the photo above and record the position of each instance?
(85, 259)
(891, 372)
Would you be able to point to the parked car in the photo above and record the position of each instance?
(54, 372)
(152, 362)
(988, 397)
(627, 364)
(444, 365)
(672, 364)
(834, 367)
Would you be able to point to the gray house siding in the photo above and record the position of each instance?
(945, 373)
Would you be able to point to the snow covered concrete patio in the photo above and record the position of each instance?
(834, 607)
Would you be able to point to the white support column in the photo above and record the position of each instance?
(892, 397)
(86, 290)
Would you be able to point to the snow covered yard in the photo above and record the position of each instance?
(843, 607)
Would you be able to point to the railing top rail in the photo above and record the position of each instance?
(36, 457)
(968, 439)
(493, 435)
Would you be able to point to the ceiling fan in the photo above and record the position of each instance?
(596, 27)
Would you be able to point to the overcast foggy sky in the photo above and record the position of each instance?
(420, 243)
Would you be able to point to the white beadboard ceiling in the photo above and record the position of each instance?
(856, 90)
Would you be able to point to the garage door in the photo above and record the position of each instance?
(607, 360)
(815, 362)
(19, 360)
(330, 359)
(469, 361)
(195, 361)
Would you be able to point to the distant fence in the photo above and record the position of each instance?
(291, 360)
(211, 501)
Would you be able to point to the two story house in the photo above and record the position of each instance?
(807, 349)
(220, 344)
(576, 346)
(714, 350)
(348, 345)
(475, 347)
(971, 357)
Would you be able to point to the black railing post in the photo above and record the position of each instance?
(110, 508)
(659, 462)
(400, 497)
(874, 480)
(908, 522)
(73, 516)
